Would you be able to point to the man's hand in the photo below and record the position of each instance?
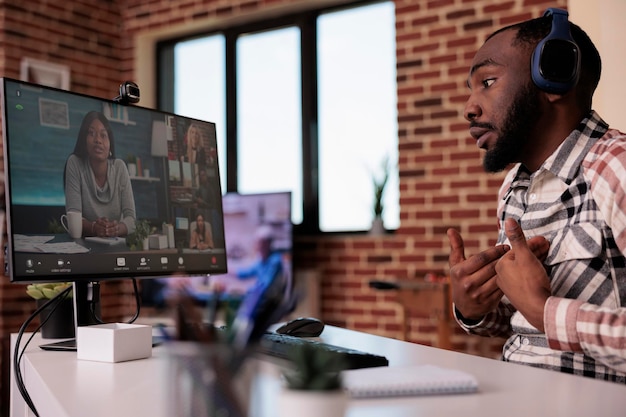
(474, 289)
(522, 276)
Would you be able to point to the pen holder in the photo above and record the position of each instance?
(202, 383)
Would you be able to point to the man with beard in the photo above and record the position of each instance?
(559, 296)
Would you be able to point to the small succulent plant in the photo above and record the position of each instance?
(314, 369)
(48, 290)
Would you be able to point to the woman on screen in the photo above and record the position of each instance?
(193, 141)
(201, 235)
(96, 183)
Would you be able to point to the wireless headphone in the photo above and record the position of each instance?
(555, 62)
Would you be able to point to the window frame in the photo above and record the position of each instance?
(306, 21)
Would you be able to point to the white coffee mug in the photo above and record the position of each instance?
(73, 223)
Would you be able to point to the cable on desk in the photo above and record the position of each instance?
(17, 355)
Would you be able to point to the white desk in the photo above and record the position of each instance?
(62, 386)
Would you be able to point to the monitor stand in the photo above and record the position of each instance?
(86, 303)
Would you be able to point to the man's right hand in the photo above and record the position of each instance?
(474, 289)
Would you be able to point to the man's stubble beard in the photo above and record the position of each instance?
(515, 131)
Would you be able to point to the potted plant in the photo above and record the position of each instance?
(55, 226)
(139, 238)
(313, 386)
(58, 320)
(380, 182)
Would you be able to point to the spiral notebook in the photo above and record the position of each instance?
(407, 381)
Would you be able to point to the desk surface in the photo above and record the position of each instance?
(64, 386)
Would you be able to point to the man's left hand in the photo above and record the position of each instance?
(522, 277)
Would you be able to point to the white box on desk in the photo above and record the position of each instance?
(157, 241)
(114, 342)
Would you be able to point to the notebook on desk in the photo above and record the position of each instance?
(407, 381)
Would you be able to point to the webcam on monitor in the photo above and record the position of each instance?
(129, 93)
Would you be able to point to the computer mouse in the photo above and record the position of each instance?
(302, 327)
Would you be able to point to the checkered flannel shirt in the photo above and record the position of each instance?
(577, 200)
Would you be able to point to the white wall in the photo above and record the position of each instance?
(603, 20)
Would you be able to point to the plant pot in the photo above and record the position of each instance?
(303, 403)
(378, 227)
(60, 324)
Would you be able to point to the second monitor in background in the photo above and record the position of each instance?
(259, 244)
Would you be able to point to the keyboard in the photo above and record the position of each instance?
(279, 345)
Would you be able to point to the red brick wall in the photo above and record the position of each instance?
(441, 178)
(85, 35)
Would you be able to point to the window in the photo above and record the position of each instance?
(305, 103)
(269, 143)
(357, 115)
(199, 82)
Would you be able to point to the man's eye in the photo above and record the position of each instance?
(488, 82)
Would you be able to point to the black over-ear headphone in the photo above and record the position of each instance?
(555, 63)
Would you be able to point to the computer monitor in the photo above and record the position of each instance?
(249, 219)
(137, 176)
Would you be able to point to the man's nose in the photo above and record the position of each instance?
(472, 109)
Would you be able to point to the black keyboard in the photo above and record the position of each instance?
(279, 345)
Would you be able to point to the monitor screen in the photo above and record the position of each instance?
(96, 189)
(259, 240)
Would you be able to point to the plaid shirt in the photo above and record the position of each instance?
(577, 200)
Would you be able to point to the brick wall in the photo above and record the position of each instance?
(86, 35)
(441, 178)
